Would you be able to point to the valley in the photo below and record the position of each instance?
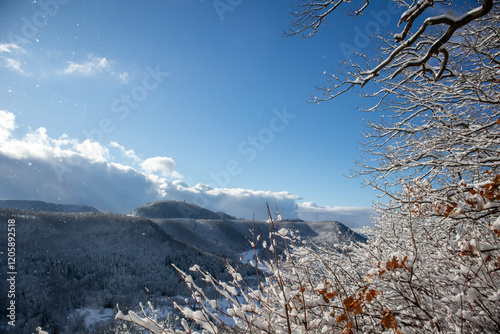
(67, 262)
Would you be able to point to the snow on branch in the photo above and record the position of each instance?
(423, 43)
(145, 322)
(310, 15)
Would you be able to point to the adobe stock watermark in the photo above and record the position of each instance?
(32, 25)
(362, 37)
(121, 107)
(223, 6)
(127, 102)
(11, 272)
(248, 151)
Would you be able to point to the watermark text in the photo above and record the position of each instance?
(11, 272)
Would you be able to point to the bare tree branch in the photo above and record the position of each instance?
(420, 49)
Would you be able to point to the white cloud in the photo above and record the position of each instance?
(126, 153)
(124, 77)
(164, 165)
(353, 217)
(88, 68)
(94, 66)
(9, 62)
(10, 47)
(13, 64)
(64, 170)
(7, 124)
(93, 151)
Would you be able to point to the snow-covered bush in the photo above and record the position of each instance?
(411, 277)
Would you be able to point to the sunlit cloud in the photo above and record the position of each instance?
(126, 153)
(164, 165)
(7, 125)
(93, 151)
(91, 67)
(10, 62)
(13, 64)
(94, 66)
(10, 47)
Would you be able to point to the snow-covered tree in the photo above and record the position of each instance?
(423, 45)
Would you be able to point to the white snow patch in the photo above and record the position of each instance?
(496, 225)
(92, 316)
(247, 257)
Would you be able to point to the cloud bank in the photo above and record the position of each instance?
(65, 170)
(351, 216)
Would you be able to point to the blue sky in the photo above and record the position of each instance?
(178, 99)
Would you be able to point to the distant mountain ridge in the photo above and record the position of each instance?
(177, 209)
(39, 206)
(215, 232)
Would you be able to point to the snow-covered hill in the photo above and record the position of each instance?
(176, 209)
